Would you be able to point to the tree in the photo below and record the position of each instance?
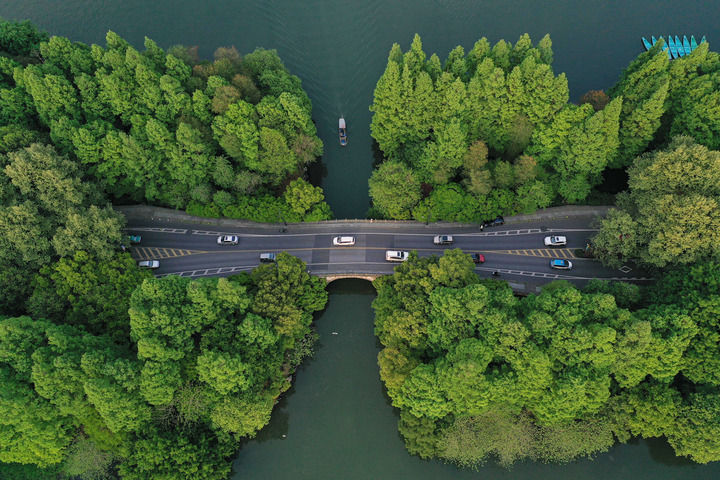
(33, 430)
(85, 291)
(477, 179)
(20, 38)
(590, 147)
(288, 295)
(394, 189)
(301, 196)
(671, 206)
(694, 435)
(644, 87)
(95, 230)
(598, 99)
(176, 456)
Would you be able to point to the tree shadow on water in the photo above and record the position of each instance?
(279, 421)
(661, 452)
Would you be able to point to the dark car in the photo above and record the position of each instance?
(477, 257)
(495, 223)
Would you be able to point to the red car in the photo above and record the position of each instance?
(477, 257)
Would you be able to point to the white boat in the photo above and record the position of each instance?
(342, 131)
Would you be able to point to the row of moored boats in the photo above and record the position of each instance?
(674, 46)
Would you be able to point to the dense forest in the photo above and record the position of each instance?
(231, 137)
(491, 132)
(113, 370)
(106, 371)
(480, 374)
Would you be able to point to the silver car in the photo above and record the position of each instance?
(344, 241)
(228, 240)
(153, 264)
(443, 240)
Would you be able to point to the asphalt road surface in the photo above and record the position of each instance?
(515, 250)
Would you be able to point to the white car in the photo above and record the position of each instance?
(396, 255)
(267, 257)
(555, 241)
(228, 240)
(443, 240)
(149, 264)
(344, 241)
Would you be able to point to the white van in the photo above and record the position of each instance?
(267, 257)
(396, 255)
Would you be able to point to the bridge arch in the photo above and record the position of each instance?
(339, 276)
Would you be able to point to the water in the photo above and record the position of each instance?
(339, 47)
(337, 420)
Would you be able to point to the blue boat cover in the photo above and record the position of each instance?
(679, 46)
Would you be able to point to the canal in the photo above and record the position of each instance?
(336, 420)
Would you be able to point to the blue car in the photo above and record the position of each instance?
(560, 264)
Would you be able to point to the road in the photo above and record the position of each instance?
(515, 250)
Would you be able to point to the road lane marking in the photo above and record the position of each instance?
(153, 253)
(156, 229)
(538, 252)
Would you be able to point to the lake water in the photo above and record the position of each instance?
(337, 420)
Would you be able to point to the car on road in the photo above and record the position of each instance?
(135, 239)
(152, 264)
(443, 240)
(396, 255)
(267, 257)
(477, 257)
(228, 240)
(346, 241)
(555, 241)
(494, 223)
(560, 264)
